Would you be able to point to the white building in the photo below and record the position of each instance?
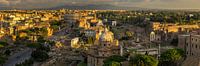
(152, 36)
(74, 43)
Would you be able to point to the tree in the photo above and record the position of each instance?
(39, 55)
(115, 63)
(52, 43)
(2, 43)
(112, 63)
(33, 45)
(143, 60)
(2, 59)
(171, 57)
(82, 64)
(44, 48)
(41, 39)
(7, 52)
(114, 60)
(129, 34)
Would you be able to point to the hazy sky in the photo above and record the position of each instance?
(131, 3)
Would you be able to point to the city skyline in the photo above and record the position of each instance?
(160, 4)
(98, 33)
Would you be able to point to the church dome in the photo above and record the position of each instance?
(152, 33)
(106, 36)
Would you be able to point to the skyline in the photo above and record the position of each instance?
(160, 4)
(99, 33)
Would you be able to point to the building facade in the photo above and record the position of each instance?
(190, 43)
(106, 46)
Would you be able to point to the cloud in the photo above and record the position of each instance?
(4, 2)
(185, 4)
(130, 3)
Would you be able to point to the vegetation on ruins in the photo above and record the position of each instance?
(171, 57)
(114, 60)
(143, 60)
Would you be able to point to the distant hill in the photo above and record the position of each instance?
(95, 7)
(80, 7)
(5, 8)
(92, 7)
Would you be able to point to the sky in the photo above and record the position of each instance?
(183, 4)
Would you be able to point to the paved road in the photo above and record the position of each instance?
(18, 57)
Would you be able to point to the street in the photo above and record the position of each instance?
(18, 57)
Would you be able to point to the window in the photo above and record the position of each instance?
(186, 44)
(104, 44)
(196, 46)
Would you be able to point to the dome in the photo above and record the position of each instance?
(100, 23)
(106, 36)
(152, 33)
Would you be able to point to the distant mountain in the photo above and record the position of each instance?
(91, 7)
(5, 8)
(95, 7)
(79, 7)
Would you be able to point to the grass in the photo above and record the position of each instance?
(1, 46)
(82, 64)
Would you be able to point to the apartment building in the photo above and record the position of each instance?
(190, 43)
